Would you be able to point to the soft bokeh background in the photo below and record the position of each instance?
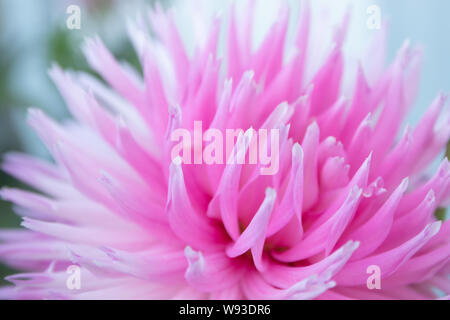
(33, 34)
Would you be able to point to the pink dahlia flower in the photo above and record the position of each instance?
(348, 214)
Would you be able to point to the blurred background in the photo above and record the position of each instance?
(33, 35)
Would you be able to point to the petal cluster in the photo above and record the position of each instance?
(353, 189)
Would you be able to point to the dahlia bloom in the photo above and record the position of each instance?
(352, 192)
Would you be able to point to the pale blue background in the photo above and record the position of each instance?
(426, 22)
